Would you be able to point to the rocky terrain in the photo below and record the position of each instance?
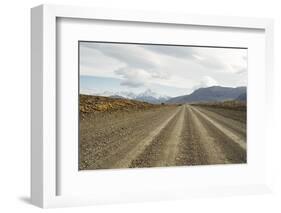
(121, 133)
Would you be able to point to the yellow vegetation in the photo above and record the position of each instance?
(103, 104)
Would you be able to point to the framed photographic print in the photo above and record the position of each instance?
(130, 106)
(157, 105)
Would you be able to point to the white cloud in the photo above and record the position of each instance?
(133, 77)
(173, 66)
(224, 60)
(132, 55)
(206, 81)
(173, 51)
(203, 56)
(211, 62)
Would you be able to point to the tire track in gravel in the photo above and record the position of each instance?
(105, 139)
(157, 153)
(237, 115)
(127, 160)
(168, 136)
(110, 139)
(231, 145)
(227, 132)
(171, 148)
(213, 152)
(192, 150)
(238, 127)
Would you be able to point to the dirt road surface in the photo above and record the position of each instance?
(165, 136)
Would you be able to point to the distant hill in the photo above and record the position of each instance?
(214, 93)
(242, 97)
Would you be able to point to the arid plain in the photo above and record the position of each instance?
(120, 133)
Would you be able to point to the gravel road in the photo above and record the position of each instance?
(164, 136)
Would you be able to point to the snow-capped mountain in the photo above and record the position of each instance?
(124, 94)
(151, 97)
(146, 96)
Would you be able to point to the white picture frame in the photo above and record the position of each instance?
(44, 155)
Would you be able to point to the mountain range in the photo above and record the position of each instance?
(146, 96)
(214, 93)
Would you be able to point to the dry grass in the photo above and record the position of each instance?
(90, 103)
(234, 105)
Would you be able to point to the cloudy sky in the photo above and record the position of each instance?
(167, 70)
